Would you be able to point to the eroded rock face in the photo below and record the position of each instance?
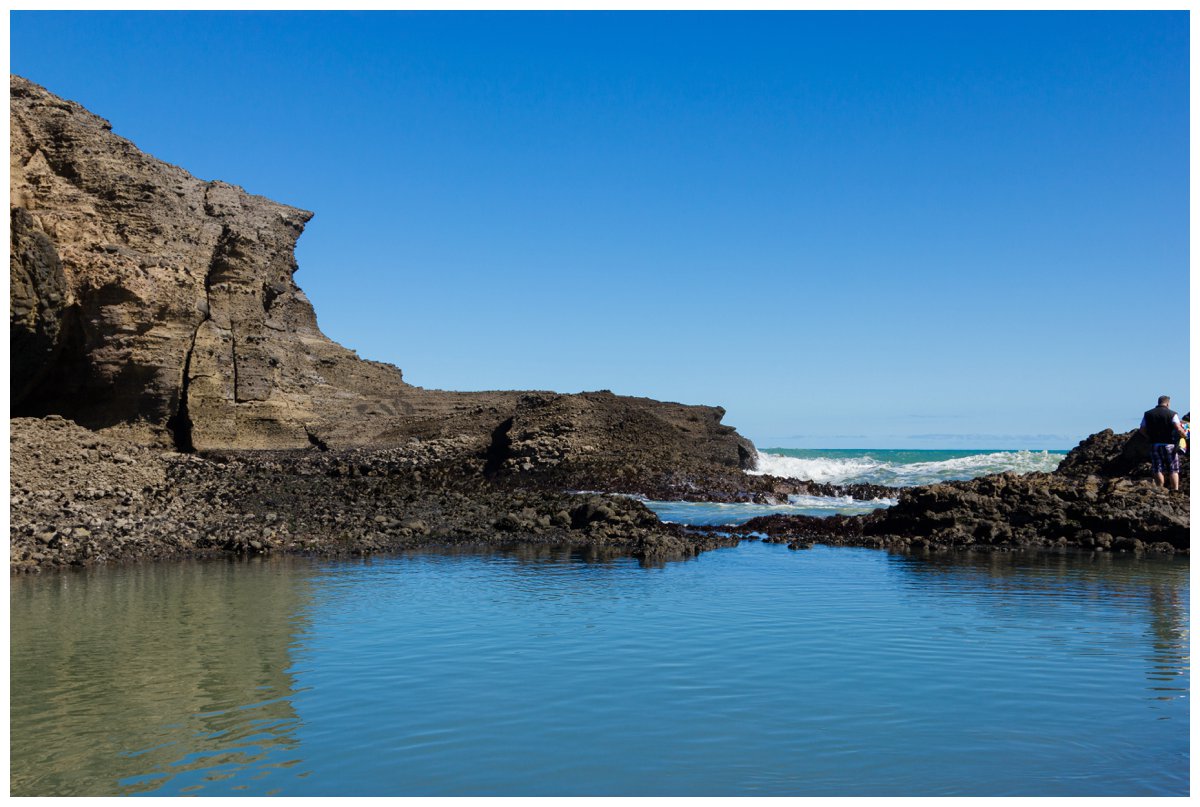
(172, 283)
(150, 300)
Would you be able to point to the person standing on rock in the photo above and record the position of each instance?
(1162, 428)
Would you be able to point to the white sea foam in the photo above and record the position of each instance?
(837, 503)
(741, 512)
(869, 470)
(817, 469)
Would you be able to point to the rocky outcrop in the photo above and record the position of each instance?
(162, 311)
(1100, 498)
(178, 289)
(80, 497)
(1109, 454)
(1040, 510)
(148, 300)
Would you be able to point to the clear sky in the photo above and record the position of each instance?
(849, 229)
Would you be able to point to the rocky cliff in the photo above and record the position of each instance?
(147, 300)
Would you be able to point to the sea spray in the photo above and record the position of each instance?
(899, 468)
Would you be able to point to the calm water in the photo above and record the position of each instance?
(748, 671)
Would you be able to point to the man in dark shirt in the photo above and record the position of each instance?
(1162, 428)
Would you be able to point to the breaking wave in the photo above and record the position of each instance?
(901, 468)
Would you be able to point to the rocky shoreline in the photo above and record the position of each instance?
(80, 497)
(176, 399)
(1101, 498)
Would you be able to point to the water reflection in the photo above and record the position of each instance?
(1147, 593)
(551, 671)
(1169, 624)
(537, 555)
(152, 673)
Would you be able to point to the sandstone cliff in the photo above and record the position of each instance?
(147, 300)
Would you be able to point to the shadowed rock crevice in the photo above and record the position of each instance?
(499, 449)
(38, 306)
(180, 424)
(316, 441)
(53, 388)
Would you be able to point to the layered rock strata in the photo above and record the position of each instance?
(151, 301)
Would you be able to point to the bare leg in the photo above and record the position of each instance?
(1158, 479)
(1174, 481)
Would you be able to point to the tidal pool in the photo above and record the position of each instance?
(754, 670)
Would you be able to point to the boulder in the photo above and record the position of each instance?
(1109, 454)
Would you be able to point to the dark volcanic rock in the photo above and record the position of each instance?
(80, 497)
(1111, 455)
(1100, 498)
(1039, 510)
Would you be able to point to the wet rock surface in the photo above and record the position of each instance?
(689, 481)
(80, 497)
(1101, 499)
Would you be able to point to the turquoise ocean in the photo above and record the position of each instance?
(899, 467)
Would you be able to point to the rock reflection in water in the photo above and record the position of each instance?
(140, 675)
(1131, 593)
(554, 671)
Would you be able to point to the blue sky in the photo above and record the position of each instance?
(919, 229)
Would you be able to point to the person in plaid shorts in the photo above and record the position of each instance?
(1163, 429)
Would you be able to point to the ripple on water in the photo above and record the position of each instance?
(752, 670)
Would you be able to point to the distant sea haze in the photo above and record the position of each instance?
(898, 467)
(974, 439)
